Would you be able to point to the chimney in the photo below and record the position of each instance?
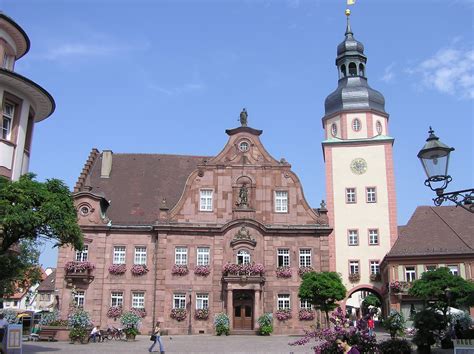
(106, 164)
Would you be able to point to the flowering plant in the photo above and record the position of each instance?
(114, 312)
(202, 270)
(139, 311)
(201, 314)
(10, 315)
(75, 266)
(222, 323)
(306, 315)
(265, 326)
(243, 269)
(180, 269)
(399, 286)
(283, 272)
(283, 314)
(79, 319)
(139, 269)
(178, 314)
(117, 269)
(49, 317)
(354, 277)
(304, 270)
(130, 321)
(375, 277)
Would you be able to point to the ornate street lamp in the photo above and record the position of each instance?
(434, 157)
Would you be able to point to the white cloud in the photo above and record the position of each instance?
(79, 49)
(389, 73)
(450, 71)
(178, 90)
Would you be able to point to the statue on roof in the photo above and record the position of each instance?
(243, 118)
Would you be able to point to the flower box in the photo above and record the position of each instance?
(201, 314)
(202, 270)
(283, 272)
(243, 269)
(78, 267)
(139, 311)
(375, 277)
(117, 269)
(306, 315)
(139, 269)
(283, 315)
(178, 314)
(354, 277)
(397, 287)
(114, 312)
(303, 270)
(180, 269)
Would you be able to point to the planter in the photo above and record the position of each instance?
(117, 269)
(283, 315)
(139, 269)
(283, 272)
(303, 270)
(179, 270)
(130, 337)
(354, 277)
(62, 332)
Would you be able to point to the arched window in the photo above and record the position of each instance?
(343, 71)
(361, 70)
(378, 126)
(352, 69)
(243, 257)
(356, 125)
(334, 129)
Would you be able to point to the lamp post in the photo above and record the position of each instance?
(190, 328)
(434, 157)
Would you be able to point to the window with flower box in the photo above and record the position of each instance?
(374, 267)
(373, 237)
(179, 301)
(202, 301)
(119, 255)
(305, 257)
(80, 298)
(116, 298)
(205, 200)
(353, 237)
(410, 273)
(281, 201)
(283, 302)
(81, 256)
(138, 299)
(181, 256)
(283, 257)
(140, 255)
(353, 267)
(306, 305)
(243, 257)
(203, 256)
(351, 195)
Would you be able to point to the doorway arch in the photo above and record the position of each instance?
(362, 290)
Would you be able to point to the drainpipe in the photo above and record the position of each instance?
(154, 281)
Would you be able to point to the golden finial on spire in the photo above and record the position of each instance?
(348, 12)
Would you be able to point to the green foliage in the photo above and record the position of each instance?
(130, 320)
(394, 346)
(79, 319)
(222, 323)
(394, 324)
(10, 315)
(265, 330)
(427, 322)
(265, 326)
(78, 333)
(370, 300)
(323, 290)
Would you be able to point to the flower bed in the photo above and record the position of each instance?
(201, 314)
(398, 286)
(114, 312)
(283, 272)
(306, 315)
(139, 311)
(243, 269)
(283, 315)
(303, 270)
(178, 314)
(139, 269)
(75, 266)
(354, 277)
(117, 269)
(180, 270)
(202, 270)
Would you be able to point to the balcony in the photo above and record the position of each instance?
(78, 272)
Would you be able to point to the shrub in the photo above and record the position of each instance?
(180, 269)
(306, 315)
(394, 324)
(265, 324)
(221, 323)
(139, 269)
(178, 314)
(283, 314)
(10, 315)
(76, 266)
(79, 319)
(78, 333)
(394, 346)
(130, 321)
(427, 322)
(49, 317)
(203, 270)
(114, 312)
(117, 269)
(201, 314)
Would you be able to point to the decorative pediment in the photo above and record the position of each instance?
(243, 236)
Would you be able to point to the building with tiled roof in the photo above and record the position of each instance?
(45, 297)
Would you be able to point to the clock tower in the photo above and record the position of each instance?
(360, 183)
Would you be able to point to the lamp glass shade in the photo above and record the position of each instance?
(435, 163)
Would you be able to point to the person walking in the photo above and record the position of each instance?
(156, 337)
(371, 325)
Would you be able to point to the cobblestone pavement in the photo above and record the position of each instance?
(204, 344)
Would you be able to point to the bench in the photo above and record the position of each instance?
(463, 346)
(48, 334)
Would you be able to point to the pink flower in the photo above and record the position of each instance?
(140, 312)
(178, 314)
(304, 270)
(201, 314)
(202, 270)
(76, 266)
(114, 312)
(180, 269)
(283, 272)
(283, 315)
(139, 269)
(117, 269)
(243, 269)
(306, 315)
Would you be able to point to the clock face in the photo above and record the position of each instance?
(358, 166)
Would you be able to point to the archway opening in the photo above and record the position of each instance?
(364, 303)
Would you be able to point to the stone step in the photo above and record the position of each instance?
(243, 332)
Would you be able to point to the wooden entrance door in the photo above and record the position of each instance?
(243, 314)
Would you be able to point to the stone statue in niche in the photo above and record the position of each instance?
(243, 199)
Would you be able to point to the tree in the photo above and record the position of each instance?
(370, 300)
(443, 289)
(323, 290)
(32, 212)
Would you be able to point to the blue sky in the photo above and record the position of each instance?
(171, 76)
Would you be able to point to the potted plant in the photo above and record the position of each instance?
(178, 314)
(303, 270)
(283, 314)
(202, 270)
(114, 312)
(180, 269)
(117, 269)
(306, 315)
(51, 320)
(283, 272)
(130, 322)
(79, 321)
(201, 314)
(78, 267)
(221, 323)
(139, 269)
(354, 277)
(265, 326)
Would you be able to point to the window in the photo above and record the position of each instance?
(203, 256)
(79, 298)
(356, 125)
(430, 268)
(181, 256)
(202, 301)
(244, 146)
(373, 237)
(374, 267)
(305, 257)
(81, 256)
(350, 195)
(138, 300)
(205, 203)
(281, 201)
(453, 269)
(45, 297)
(8, 112)
(334, 129)
(283, 257)
(305, 304)
(179, 301)
(410, 273)
(116, 298)
(243, 257)
(371, 195)
(353, 236)
(119, 255)
(140, 255)
(378, 127)
(283, 301)
(354, 267)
